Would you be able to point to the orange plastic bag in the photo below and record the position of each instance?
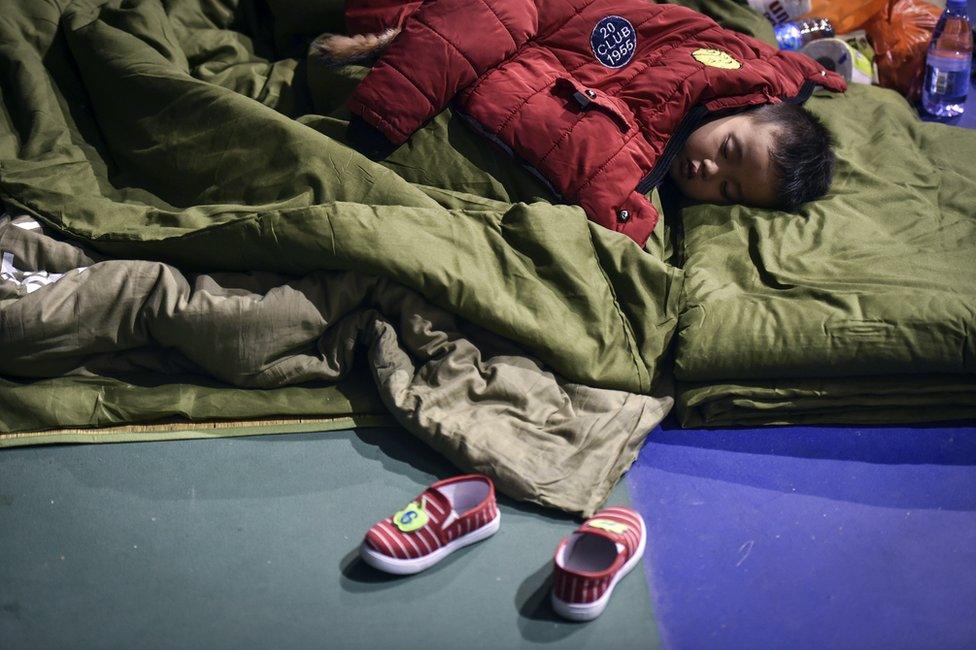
(846, 15)
(900, 35)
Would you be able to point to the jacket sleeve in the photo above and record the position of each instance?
(443, 47)
(633, 215)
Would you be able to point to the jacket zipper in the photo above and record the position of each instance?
(688, 124)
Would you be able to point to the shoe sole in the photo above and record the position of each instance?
(398, 566)
(589, 611)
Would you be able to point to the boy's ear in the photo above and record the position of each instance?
(336, 49)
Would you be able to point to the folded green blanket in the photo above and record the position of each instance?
(862, 308)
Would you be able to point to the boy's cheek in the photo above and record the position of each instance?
(679, 181)
(689, 189)
(682, 186)
(701, 192)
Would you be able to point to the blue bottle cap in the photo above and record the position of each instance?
(788, 36)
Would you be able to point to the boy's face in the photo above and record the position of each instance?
(727, 161)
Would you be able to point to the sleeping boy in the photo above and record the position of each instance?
(772, 156)
(605, 99)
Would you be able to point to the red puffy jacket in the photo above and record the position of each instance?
(597, 95)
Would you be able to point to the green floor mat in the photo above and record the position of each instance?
(251, 543)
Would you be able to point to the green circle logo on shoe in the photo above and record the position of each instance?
(607, 524)
(411, 518)
(614, 41)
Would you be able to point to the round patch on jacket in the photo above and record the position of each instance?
(614, 41)
(716, 59)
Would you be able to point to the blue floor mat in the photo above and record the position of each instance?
(811, 537)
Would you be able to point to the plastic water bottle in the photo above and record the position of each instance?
(948, 63)
(793, 35)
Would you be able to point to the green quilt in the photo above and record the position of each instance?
(186, 131)
(192, 250)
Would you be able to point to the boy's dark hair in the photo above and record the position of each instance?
(803, 155)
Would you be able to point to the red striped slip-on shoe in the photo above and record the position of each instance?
(590, 562)
(448, 515)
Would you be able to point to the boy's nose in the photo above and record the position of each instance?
(709, 168)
